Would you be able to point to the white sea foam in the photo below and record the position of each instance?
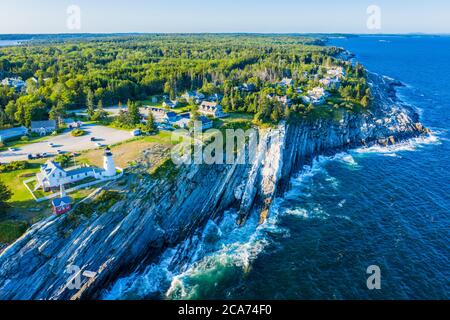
(409, 145)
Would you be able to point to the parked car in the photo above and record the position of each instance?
(59, 151)
(30, 156)
(12, 149)
(92, 138)
(51, 144)
(98, 144)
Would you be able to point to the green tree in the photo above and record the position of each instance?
(90, 104)
(133, 113)
(58, 112)
(150, 125)
(5, 195)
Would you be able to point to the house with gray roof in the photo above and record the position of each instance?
(43, 127)
(12, 133)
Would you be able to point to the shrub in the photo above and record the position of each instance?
(78, 133)
(12, 230)
(64, 160)
(24, 138)
(13, 166)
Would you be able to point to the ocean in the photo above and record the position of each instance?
(388, 207)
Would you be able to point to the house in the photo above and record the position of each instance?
(43, 127)
(161, 115)
(205, 122)
(330, 82)
(195, 96)
(211, 109)
(62, 204)
(182, 123)
(336, 72)
(170, 104)
(316, 95)
(247, 87)
(52, 175)
(72, 124)
(284, 100)
(12, 133)
(16, 83)
(286, 82)
(215, 97)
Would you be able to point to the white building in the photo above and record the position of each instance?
(43, 127)
(211, 109)
(336, 72)
(316, 95)
(12, 133)
(170, 104)
(16, 83)
(330, 82)
(52, 175)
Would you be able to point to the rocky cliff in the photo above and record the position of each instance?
(156, 212)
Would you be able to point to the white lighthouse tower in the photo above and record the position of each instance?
(108, 163)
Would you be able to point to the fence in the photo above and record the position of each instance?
(81, 186)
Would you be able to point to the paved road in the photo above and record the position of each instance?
(65, 142)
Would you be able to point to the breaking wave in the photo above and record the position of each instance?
(224, 252)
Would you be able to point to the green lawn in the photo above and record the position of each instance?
(11, 230)
(14, 180)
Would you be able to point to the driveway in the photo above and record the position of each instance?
(66, 143)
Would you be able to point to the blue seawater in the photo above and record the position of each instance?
(388, 207)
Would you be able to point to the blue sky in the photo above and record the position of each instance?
(266, 16)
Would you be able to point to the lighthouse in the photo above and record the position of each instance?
(108, 163)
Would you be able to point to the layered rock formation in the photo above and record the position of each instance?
(155, 213)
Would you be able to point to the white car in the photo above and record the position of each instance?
(98, 144)
(12, 149)
(51, 144)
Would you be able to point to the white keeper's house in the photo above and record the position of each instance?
(52, 175)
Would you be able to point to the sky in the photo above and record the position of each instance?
(253, 16)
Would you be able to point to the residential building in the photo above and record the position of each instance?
(43, 127)
(330, 82)
(162, 115)
(62, 204)
(195, 96)
(206, 123)
(211, 109)
(16, 83)
(72, 124)
(12, 133)
(52, 175)
(247, 87)
(170, 104)
(336, 72)
(286, 82)
(316, 96)
(182, 123)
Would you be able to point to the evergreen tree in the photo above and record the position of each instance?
(5, 195)
(90, 103)
(150, 125)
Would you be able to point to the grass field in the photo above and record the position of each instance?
(125, 153)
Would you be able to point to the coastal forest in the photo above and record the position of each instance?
(67, 74)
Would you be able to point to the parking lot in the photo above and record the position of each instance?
(66, 143)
